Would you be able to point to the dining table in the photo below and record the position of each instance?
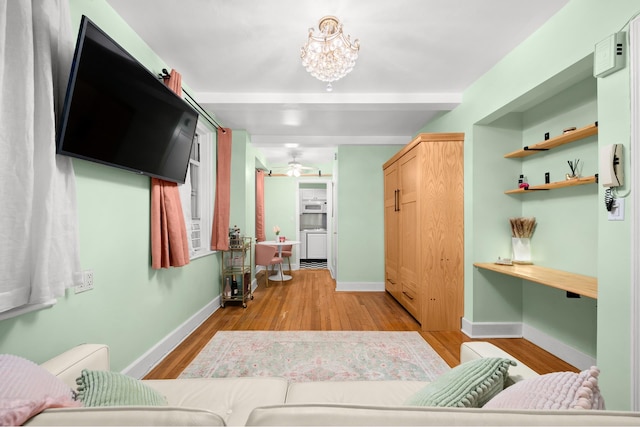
(279, 244)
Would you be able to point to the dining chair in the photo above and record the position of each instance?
(287, 252)
(267, 256)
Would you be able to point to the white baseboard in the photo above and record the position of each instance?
(492, 329)
(569, 354)
(559, 349)
(146, 362)
(360, 286)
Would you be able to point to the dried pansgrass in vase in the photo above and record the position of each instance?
(521, 232)
(522, 227)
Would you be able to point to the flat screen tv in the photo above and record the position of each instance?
(116, 112)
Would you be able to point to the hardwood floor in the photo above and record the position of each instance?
(309, 302)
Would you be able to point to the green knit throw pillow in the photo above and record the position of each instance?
(470, 385)
(105, 388)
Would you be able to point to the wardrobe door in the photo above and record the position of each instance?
(409, 175)
(392, 231)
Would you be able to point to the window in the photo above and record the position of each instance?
(197, 193)
(194, 176)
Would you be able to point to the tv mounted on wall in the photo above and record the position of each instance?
(118, 113)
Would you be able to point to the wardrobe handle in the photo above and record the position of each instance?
(397, 200)
(407, 295)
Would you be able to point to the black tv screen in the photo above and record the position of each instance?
(118, 113)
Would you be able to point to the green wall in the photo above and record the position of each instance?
(132, 307)
(360, 208)
(280, 194)
(545, 85)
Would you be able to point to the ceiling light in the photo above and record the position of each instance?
(329, 55)
(294, 172)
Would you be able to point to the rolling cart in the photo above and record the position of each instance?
(236, 272)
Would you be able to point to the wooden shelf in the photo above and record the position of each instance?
(556, 141)
(553, 185)
(582, 285)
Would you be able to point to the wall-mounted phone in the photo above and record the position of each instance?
(611, 172)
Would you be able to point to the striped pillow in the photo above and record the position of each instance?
(105, 388)
(470, 385)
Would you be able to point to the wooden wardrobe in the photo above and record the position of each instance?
(424, 229)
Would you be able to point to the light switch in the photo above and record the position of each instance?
(617, 210)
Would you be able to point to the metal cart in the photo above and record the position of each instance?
(236, 272)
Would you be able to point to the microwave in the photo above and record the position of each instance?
(314, 206)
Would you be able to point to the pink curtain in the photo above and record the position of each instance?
(169, 245)
(260, 233)
(220, 231)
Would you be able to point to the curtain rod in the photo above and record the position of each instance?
(165, 75)
(319, 174)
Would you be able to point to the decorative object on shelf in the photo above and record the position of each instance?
(574, 169)
(227, 287)
(235, 239)
(522, 182)
(569, 129)
(504, 261)
(521, 231)
(329, 55)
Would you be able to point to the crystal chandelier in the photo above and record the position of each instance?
(329, 56)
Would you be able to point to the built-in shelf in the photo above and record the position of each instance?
(558, 184)
(577, 283)
(556, 141)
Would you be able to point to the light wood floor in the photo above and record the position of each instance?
(309, 302)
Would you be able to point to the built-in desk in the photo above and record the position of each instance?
(571, 282)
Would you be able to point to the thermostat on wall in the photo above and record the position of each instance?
(609, 55)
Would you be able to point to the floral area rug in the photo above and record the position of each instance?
(318, 356)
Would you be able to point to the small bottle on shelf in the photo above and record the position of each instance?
(522, 182)
(234, 286)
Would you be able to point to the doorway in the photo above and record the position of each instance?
(315, 224)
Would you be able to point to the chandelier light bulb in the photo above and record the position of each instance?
(329, 55)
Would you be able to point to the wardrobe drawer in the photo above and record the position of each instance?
(410, 301)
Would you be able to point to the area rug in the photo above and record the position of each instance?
(318, 356)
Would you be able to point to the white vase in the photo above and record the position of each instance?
(521, 248)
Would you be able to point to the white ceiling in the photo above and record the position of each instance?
(241, 60)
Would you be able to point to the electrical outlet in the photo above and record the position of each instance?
(617, 210)
(87, 282)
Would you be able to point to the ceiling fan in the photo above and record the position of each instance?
(295, 168)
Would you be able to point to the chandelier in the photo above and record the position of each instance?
(329, 56)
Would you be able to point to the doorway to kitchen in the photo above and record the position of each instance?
(315, 222)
